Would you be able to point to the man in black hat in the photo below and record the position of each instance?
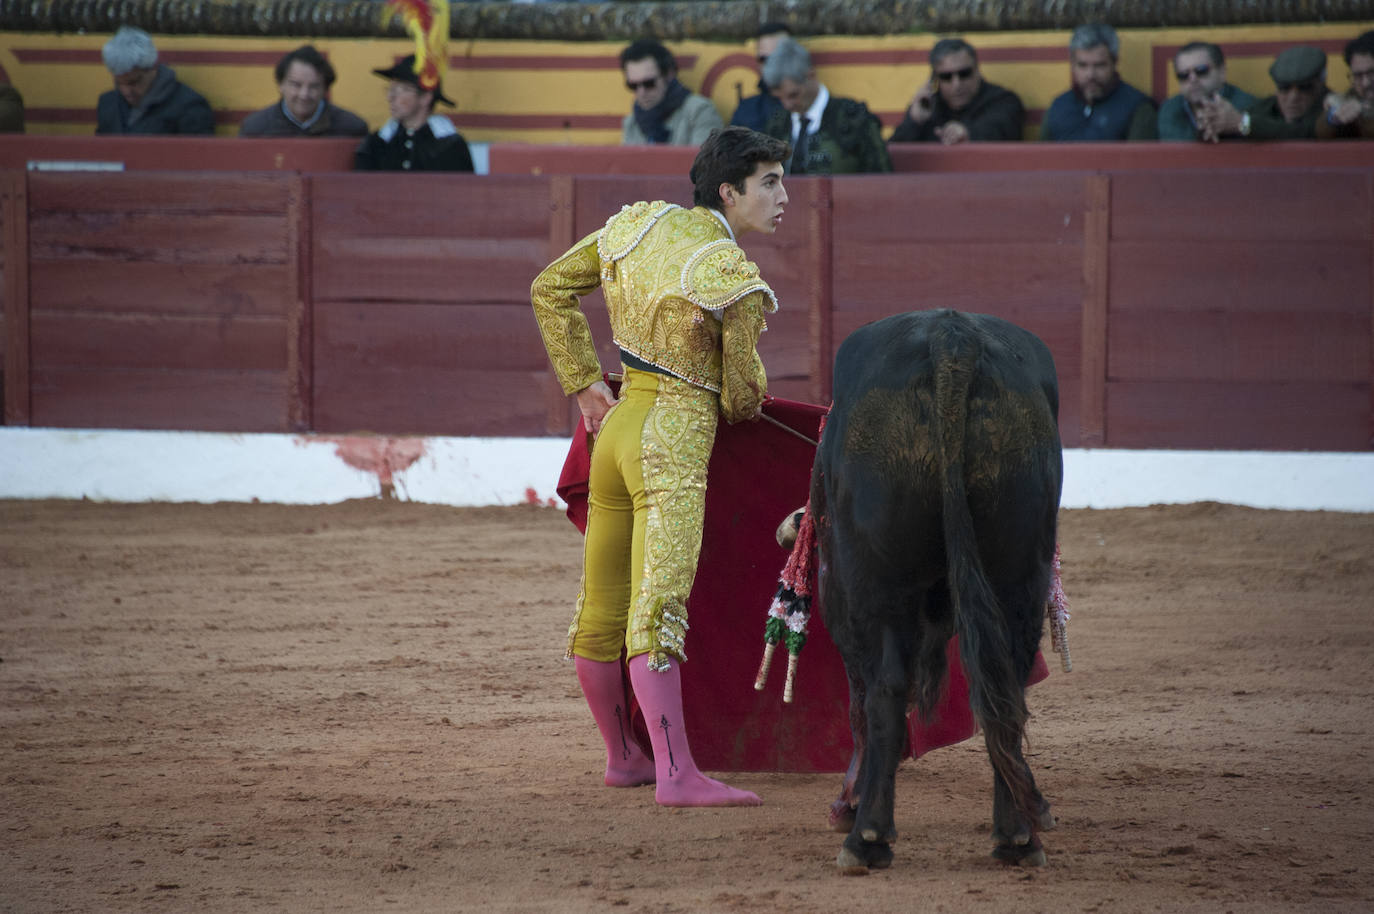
(1299, 75)
(415, 139)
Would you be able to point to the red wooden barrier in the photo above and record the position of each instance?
(181, 153)
(1185, 308)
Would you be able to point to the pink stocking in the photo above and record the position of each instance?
(678, 782)
(603, 686)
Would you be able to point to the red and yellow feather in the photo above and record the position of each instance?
(427, 22)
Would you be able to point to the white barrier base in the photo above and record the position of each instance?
(134, 466)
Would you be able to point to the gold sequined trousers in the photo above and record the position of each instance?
(644, 520)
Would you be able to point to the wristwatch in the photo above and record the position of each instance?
(1245, 124)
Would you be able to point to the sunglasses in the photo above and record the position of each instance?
(1306, 86)
(642, 84)
(1199, 71)
(949, 75)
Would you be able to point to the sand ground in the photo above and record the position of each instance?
(363, 707)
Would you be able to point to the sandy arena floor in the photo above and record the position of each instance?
(363, 707)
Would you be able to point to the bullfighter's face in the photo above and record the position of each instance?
(759, 207)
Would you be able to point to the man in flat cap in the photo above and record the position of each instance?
(1299, 75)
(415, 139)
(1351, 116)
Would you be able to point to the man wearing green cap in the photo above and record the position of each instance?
(1299, 75)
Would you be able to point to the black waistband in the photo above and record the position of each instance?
(630, 360)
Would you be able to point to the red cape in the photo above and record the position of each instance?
(758, 474)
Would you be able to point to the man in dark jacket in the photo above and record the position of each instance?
(755, 111)
(147, 97)
(830, 135)
(957, 105)
(1299, 75)
(303, 78)
(1099, 107)
(415, 139)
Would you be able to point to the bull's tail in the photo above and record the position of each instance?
(996, 694)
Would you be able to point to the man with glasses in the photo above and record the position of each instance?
(415, 138)
(829, 135)
(1201, 71)
(753, 112)
(665, 112)
(957, 105)
(1299, 75)
(1099, 107)
(1351, 116)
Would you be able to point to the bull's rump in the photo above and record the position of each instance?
(879, 471)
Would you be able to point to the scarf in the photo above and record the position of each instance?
(652, 121)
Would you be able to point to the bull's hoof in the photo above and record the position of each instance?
(842, 817)
(1047, 820)
(1020, 854)
(857, 857)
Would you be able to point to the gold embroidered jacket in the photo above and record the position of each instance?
(680, 295)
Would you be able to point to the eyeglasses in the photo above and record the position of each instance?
(1306, 86)
(1199, 71)
(949, 75)
(642, 84)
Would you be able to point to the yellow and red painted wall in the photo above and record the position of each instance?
(572, 92)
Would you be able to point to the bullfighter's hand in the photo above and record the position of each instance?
(595, 401)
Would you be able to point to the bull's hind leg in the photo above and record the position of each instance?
(869, 843)
(1017, 840)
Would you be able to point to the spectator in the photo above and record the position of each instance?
(1099, 107)
(755, 111)
(11, 109)
(415, 139)
(303, 78)
(830, 135)
(1352, 115)
(664, 110)
(1299, 74)
(147, 97)
(957, 105)
(1191, 115)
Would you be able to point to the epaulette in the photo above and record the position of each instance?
(718, 274)
(628, 227)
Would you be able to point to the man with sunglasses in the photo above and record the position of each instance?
(1299, 75)
(665, 112)
(1099, 107)
(1200, 68)
(1351, 116)
(957, 105)
(753, 112)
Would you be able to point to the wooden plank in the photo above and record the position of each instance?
(420, 336)
(820, 304)
(298, 295)
(182, 153)
(1239, 276)
(167, 238)
(600, 196)
(1301, 345)
(1369, 196)
(14, 212)
(893, 276)
(117, 341)
(198, 400)
(393, 205)
(386, 399)
(1290, 207)
(441, 269)
(1099, 193)
(115, 286)
(1047, 208)
(1242, 416)
(184, 192)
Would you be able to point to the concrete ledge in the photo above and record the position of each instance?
(135, 466)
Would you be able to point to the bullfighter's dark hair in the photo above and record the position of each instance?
(308, 55)
(729, 156)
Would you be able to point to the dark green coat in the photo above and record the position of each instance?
(1267, 123)
(849, 140)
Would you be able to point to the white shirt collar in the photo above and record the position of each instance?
(723, 221)
(814, 112)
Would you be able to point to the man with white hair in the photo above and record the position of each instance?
(147, 97)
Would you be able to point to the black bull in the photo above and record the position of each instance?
(935, 491)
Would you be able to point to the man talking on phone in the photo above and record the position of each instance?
(1200, 69)
(957, 105)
